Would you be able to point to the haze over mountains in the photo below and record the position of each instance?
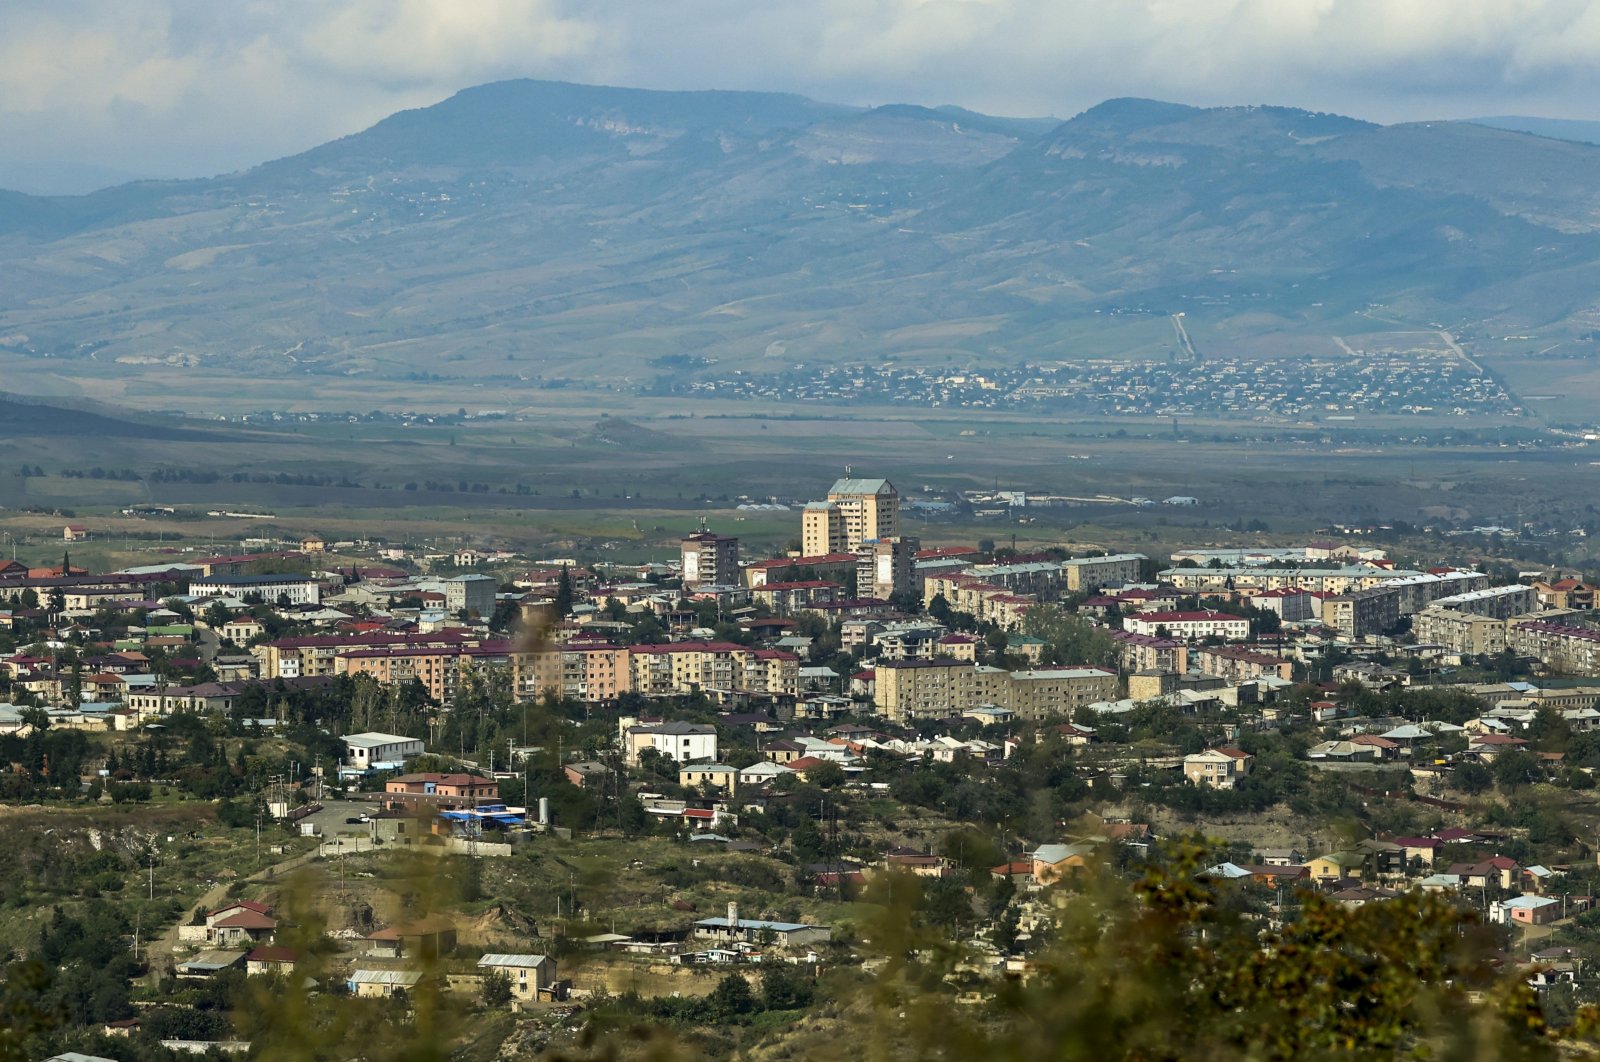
(539, 231)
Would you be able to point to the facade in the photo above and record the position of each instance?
(1316, 580)
(1291, 605)
(925, 689)
(1218, 768)
(1056, 691)
(375, 751)
(1147, 652)
(908, 690)
(710, 559)
(529, 975)
(684, 742)
(439, 792)
(1499, 602)
(886, 567)
(1461, 633)
(1361, 613)
(296, 590)
(1572, 650)
(857, 511)
(716, 775)
(1189, 626)
(1097, 573)
(1566, 593)
(689, 667)
(440, 671)
(1237, 664)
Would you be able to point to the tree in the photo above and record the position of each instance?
(784, 988)
(826, 775)
(564, 593)
(496, 990)
(1515, 768)
(1471, 778)
(732, 998)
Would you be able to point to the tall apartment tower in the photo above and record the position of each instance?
(885, 567)
(710, 560)
(857, 511)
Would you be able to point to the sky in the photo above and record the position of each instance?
(95, 90)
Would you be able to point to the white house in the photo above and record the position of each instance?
(375, 751)
(684, 742)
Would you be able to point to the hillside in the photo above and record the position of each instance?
(528, 232)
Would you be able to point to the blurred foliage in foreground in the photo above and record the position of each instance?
(1169, 968)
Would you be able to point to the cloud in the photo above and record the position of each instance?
(192, 86)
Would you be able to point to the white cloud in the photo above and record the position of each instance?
(186, 86)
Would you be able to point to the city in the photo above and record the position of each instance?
(753, 747)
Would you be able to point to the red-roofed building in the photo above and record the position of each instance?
(439, 792)
(1189, 626)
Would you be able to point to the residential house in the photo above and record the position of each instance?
(1337, 866)
(1052, 862)
(378, 984)
(531, 976)
(1220, 768)
(239, 923)
(270, 960)
(716, 775)
(684, 742)
(586, 773)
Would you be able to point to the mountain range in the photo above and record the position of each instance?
(538, 232)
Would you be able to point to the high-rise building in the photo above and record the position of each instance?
(821, 529)
(710, 560)
(885, 567)
(857, 511)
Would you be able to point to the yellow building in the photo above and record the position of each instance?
(857, 511)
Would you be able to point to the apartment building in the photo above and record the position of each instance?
(1362, 613)
(1236, 664)
(787, 598)
(1290, 604)
(908, 690)
(1330, 580)
(689, 667)
(440, 671)
(1566, 593)
(1501, 602)
(1570, 650)
(316, 655)
(1147, 652)
(857, 511)
(886, 567)
(831, 566)
(1082, 574)
(1041, 580)
(709, 559)
(1460, 633)
(1056, 692)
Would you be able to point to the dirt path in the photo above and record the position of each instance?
(166, 945)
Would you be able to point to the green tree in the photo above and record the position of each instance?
(732, 998)
(1471, 778)
(496, 989)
